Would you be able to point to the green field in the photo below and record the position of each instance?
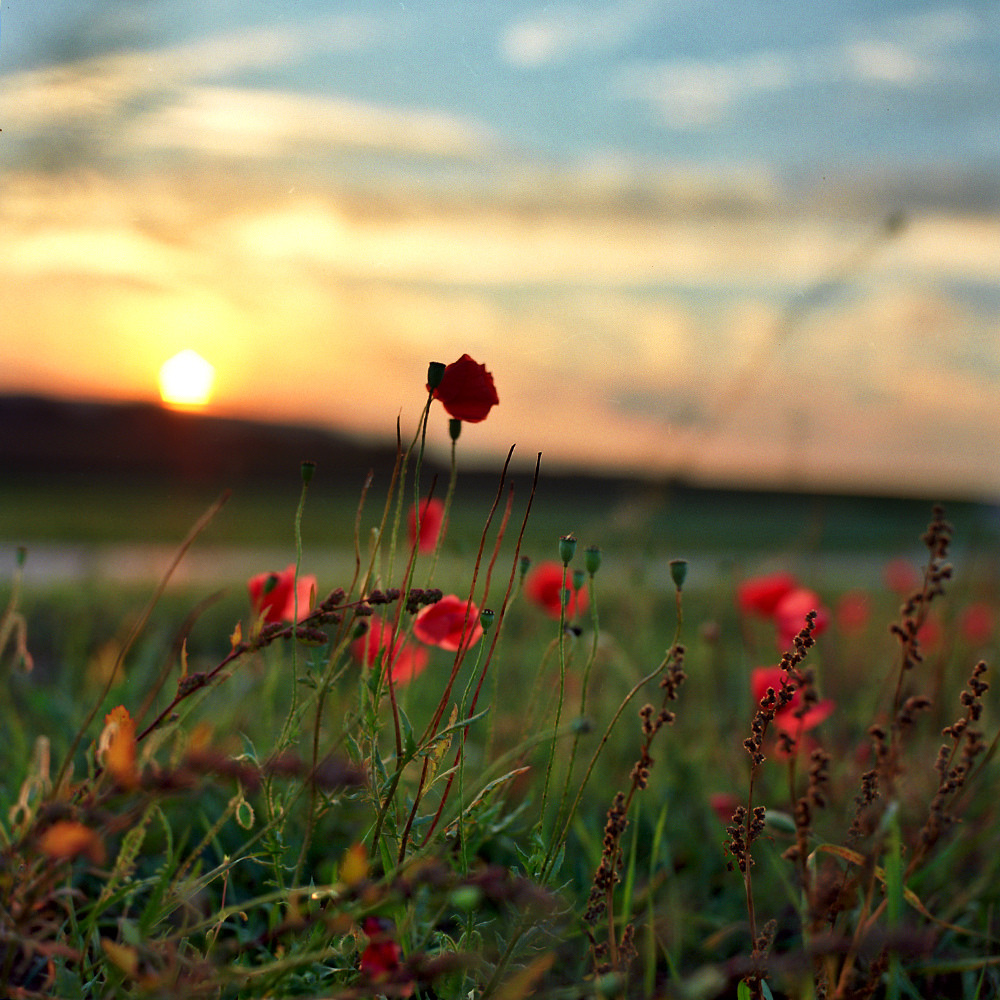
(238, 881)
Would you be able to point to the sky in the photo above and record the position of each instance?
(755, 244)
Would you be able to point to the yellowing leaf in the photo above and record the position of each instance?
(126, 958)
(67, 839)
(354, 865)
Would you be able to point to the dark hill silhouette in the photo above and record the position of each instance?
(42, 437)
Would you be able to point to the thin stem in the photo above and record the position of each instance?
(562, 694)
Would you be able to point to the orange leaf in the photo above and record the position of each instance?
(68, 839)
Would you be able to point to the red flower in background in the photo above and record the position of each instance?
(853, 611)
(273, 595)
(544, 586)
(790, 614)
(901, 577)
(406, 661)
(467, 391)
(449, 623)
(382, 958)
(759, 595)
(431, 517)
(786, 719)
(976, 623)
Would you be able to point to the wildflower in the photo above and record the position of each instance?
(466, 390)
(406, 661)
(901, 576)
(788, 720)
(759, 595)
(382, 958)
(544, 586)
(431, 517)
(976, 623)
(723, 804)
(853, 611)
(450, 623)
(790, 614)
(273, 595)
(931, 634)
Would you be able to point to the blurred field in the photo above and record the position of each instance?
(652, 518)
(78, 624)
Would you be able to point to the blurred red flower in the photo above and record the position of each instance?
(976, 623)
(431, 517)
(786, 720)
(544, 586)
(448, 623)
(467, 391)
(790, 614)
(853, 611)
(931, 634)
(407, 662)
(901, 577)
(273, 595)
(382, 958)
(759, 595)
(723, 805)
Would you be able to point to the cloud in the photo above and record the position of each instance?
(255, 124)
(105, 86)
(566, 30)
(904, 54)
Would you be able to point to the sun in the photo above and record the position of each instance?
(186, 380)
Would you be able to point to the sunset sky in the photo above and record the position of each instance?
(669, 229)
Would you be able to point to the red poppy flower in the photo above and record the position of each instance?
(901, 576)
(382, 958)
(786, 720)
(853, 611)
(273, 595)
(759, 595)
(976, 623)
(544, 586)
(723, 805)
(431, 517)
(407, 662)
(446, 623)
(790, 614)
(467, 391)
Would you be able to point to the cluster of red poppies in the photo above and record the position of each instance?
(780, 598)
(467, 392)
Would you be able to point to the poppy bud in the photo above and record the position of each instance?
(577, 579)
(486, 617)
(592, 559)
(454, 428)
(435, 372)
(308, 469)
(525, 566)
(567, 546)
(678, 572)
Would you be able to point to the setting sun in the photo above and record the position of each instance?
(186, 380)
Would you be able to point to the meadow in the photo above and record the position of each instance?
(560, 741)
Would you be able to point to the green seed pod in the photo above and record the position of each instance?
(567, 546)
(435, 372)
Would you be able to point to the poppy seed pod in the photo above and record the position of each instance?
(592, 559)
(435, 372)
(567, 547)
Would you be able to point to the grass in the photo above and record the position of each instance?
(195, 803)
